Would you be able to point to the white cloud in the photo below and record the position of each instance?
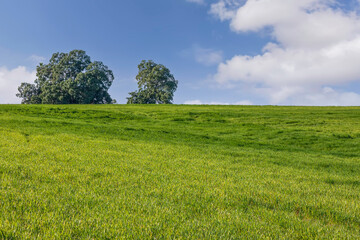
(245, 102)
(10, 80)
(225, 9)
(307, 96)
(193, 102)
(199, 102)
(316, 45)
(281, 66)
(330, 97)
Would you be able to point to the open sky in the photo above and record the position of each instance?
(279, 52)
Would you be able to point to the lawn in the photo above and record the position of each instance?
(179, 172)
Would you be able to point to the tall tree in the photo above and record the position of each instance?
(69, 78)
(156, 85)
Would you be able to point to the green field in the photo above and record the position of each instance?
(179, 172)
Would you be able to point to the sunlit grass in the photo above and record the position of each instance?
(199, 172)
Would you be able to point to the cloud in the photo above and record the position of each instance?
(244, 102)
(281, 66)
(10, 80)
(306, 96)
(330, 97)
(201, 2)
(316, 46)
(224, 10)
(199, 102)
(36, 59)
(204, 56)
(207, 57)
(193, 102)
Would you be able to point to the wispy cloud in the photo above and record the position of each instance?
(207, 56)
(201, 2)
(36, 59)
(204, 56)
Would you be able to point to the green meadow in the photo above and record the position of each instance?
(179, 172)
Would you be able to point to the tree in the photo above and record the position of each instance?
(69, 78)
(156, 85)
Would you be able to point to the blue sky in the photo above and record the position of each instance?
(282, 52)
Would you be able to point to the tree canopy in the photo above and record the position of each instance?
(69, 78)
(156, 85)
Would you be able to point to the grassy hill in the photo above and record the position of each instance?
(179, 172)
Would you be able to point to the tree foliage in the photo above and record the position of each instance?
(69, 78)
(156, 85)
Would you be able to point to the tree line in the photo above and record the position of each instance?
(72, 78)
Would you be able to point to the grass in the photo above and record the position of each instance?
(179, 172)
